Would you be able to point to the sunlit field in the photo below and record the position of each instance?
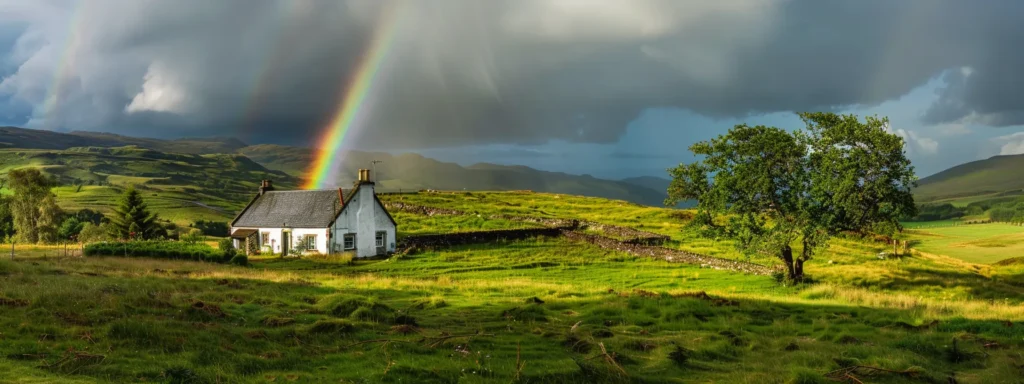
(976, 243)
(539, 310)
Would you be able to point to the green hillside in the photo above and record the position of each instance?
(978, 180)
(404, 171)
(181, 187)
(13, 137)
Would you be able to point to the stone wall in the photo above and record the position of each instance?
(479, 237)
(628, 240)
(670, 255)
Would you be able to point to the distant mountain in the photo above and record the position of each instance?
(414, 172)
(658, 184)
(395, 172)
(14, 137)
(998, 175)
(652, 182)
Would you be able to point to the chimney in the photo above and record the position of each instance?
(364, 176)
(265, 186)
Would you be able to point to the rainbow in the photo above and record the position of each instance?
(354, 104)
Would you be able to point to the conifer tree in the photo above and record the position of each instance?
(132, 219)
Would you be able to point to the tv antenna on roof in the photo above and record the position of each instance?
(374, 166)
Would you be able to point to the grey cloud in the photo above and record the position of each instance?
(465, 72)
(637, 155)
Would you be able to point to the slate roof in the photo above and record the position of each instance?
(292, 209)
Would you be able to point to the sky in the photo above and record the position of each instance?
(610, 88)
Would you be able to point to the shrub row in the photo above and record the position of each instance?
(161, 249)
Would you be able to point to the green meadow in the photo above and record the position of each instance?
(976, 243)
(543, 310)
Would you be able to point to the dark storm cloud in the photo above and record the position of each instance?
(641, 156)
(505, 71)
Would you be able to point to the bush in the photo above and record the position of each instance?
(212, 228)
(194, 236)
(240, 259)
(160, 249)
(932, 212)
(93, 232)
(228, 246)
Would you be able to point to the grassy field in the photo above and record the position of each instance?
(668, 222)
(508, 305)
(976, 243)
(536, 311)
(932, 224)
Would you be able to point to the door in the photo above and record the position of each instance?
(286, 243)
(381, 242)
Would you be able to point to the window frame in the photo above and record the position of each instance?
(381, 239)
(310, 242)
(264, 238)
(345, 239)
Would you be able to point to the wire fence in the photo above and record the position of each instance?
(14, 251)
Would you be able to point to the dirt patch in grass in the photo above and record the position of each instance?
(274, 321)
(6, 302)
(209, 309)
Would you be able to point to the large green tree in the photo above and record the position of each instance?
(6, 220)
(34, 206)
(787, 193)
(132, 218)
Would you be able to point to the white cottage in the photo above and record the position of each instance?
(323, 221)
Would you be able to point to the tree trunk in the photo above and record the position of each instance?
(798, 268)
(787, 258)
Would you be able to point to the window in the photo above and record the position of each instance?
(349, 241)
(310, 242)
(380, 239)
(264, 238)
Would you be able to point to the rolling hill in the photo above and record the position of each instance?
(990, 178)
(413, 172)
(14, 137)
(211, 177)
(180, 187)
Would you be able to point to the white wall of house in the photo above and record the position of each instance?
(364, 218)
(274, 235)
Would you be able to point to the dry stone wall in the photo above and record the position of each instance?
(479, 237)
(628, 240)
(670, 255)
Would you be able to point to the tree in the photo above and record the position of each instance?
(34, 207)
(70, 228)
(212, 228)
(774, 192)
(132, 218)
(6, 220)
(87, 215)
(91, 233)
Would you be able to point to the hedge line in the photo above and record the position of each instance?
(174, 250)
